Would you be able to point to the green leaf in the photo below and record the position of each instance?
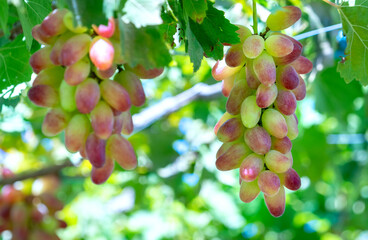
(355, 21)
(10, 102)
(31, 13)
(143, 12)
(168, 28)
(333, 97)
(214, 31)
(195, 50)
(89, 12)
(14, 66)
(143, 46)
(4, 8)
(195, 9)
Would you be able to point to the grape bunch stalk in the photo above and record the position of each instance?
(261, 78)
(89, 89)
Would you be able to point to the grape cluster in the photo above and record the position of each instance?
(74, 69)
(261, 78)
(29, 217)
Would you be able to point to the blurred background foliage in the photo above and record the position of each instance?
(177, 192)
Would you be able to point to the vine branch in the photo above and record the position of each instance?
(255, 21)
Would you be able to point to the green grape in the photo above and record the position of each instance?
(250, 112)
(253, 46)
(67, 96)
(248, 191)
(283, 18)
(274, 123)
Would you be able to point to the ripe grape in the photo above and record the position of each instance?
(78, 72)
(287, 77)
(43, 96)
(253, 46)
(101, 53)
(102, 120)
(269, 183)
(231, 130)
(41, 59)
(232, 157)
(87, 95)
(276, 203)
(115, 95)
(100, 175)
(76, 132)
(53, 24)
(234, 56)
(265, 96)
(248, 191)
(283, 18)
(277, 162)
(74, 49)
(95, 150)
(265, 69)
(133, 86)
(250, 112)
(120, 149)
(285, 102)
(278, 46)
(54, 122)
(258, 140)
(67, 95)
(251, 166)
(274, 123)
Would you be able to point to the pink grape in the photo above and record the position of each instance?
(276, 203)
(248, 191)
(41, 59)
(101, 53)
(277, 162)
(251, 166)
(87, 95)
(287, 77)
(106, 74)
(274, 123)
(232, 157)
(55, 55)
(224, 147)
(115, 95)
(269, 183)
(50, 76)
(291, 179)
(105, 31)
(300, 91)
(76, 132)
(128, 126)
(250, 112)
(133, 85)
(43, 96)
(53, 24)
(54, 122)
(297, 50)
(234, 56)
(285, 102)
(302, 65)
(283, 145)
(95, 150)
(78, 72)
(120, 149)
(258, 140)
(144, 73)
(74, 49)
(253, 46)
(231, 130)
(237, 95)
(100, 175)
(40, 36)
(221, 121)
(292, 124)
(227, 85)
(265, 69)
(220, 70)
(265, 96)
(102, 120)
(283, 18)
(251, 77)
(278, 46)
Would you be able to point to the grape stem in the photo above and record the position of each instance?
(331, 3)
(255, 21)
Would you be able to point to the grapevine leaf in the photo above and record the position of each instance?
(31, 13)
(168, 28)
(142, 12)
(14, 66)
(214, 31)
(195, 9)
(10, 102)
(4, 8)
(89, 12)
(143, 46)
(195, 50)
(355, 22)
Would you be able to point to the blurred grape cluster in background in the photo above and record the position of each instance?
(177, 193)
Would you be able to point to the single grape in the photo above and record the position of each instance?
(50, 76)
(100, 175)
(133, 85)
(227, 85)
(128, 126)
(265, 69)
(283, 18)
(237, 95)
(74, 49)
(265, 96)
(234, 56)
(278, 46)
(43, 96)
(292, 124)
(41, 59)
(251, 77)
(221, 121)
(297, 50)
(120, 149)
(54, 122)
(40, 36)
(144, 73)
(243, 32)
(55, 55)
(87, 95)
(78, 72)
(102, 120)
(274, 123)
(105, 74)
(231, 130)
(276, 203)
(101, 53)
(283, 145)
(95, 150)
(300, 91)
(287, 77)
(251, 166)
(291, 179)
(232, 157)
(277, 162)
(248, 191)
(285, 102)
(302, 65)
(253, 46)
(220, 70)
(53, 24)
(269, 183)
(224, 147)
(250, 112)
(258, 140)
(76, 132)
(115, 95)
(67, 96)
